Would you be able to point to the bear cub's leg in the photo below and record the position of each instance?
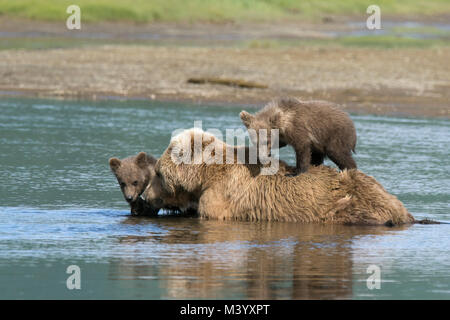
(317, 158)
(303, 157)
(342, 158)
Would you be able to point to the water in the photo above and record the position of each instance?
(61, 206)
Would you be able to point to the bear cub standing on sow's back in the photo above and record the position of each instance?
(315, 129)
(134, 175)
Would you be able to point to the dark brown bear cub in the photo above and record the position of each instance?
(315, 129)
(134, 175)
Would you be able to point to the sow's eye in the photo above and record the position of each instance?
(122, 185)
(135, 183)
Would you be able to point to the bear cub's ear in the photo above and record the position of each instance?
(246, 118)
(114, 163)
(142, 160)
(151, 160)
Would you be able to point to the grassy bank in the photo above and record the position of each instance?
(213, 10)
(381, 42)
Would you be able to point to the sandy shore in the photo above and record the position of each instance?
(407, 81)
(401, 81)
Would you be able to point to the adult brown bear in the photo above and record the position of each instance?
(238, 191)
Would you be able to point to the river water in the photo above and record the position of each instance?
(61, 206)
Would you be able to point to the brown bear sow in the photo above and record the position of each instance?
(179, 201)
(134, 175)
(314, 129)
(321, 195)
(187, 202)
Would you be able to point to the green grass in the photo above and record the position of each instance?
(379, 42)
(425, 30)
(212, 10)
(387, 42)
(46, 43)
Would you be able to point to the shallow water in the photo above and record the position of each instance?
(61, 206)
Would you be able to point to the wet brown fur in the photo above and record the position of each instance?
(179, 199)
(238, 192)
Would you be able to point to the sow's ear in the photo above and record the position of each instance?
(114, 163)
(275, 119)
(141, 160)
(246, 118)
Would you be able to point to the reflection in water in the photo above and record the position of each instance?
(207, 259)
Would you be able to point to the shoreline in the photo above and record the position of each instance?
(412, 82)
(245, 64)
(413, 111)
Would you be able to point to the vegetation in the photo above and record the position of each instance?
(212, 10)
(381, 42)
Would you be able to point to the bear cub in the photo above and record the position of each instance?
(315, 129)
(134, 175)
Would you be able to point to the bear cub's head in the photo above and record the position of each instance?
(263, 121)
(133, 174)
